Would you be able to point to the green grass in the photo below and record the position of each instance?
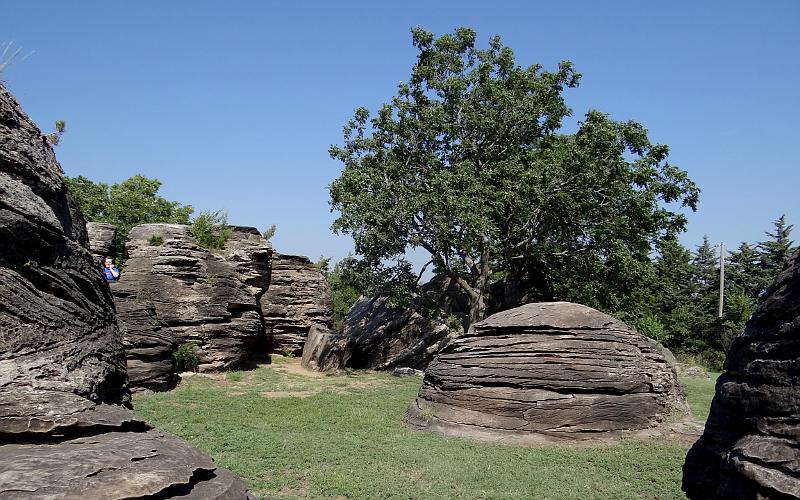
(699, 393)
(293, 436)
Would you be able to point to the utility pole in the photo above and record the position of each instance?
(721, 278)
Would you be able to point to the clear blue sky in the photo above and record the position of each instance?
(233, 104)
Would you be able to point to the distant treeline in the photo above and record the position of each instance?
(678, 302)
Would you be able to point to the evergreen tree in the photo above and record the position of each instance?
(674, 276)
(775, 250)
(699, 316)
(744, 271)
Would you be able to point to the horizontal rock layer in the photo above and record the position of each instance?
(102, 237)
(548, 369)
(297, 300)
(177, 292)
(751, 444)
(114, 465)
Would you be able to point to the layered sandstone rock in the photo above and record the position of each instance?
(102, 237)
(376, 336)
(173, 291)
(751, 444)
(65, 423)
(547, 370)
(297, 300)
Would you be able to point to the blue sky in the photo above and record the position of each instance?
(233, 105)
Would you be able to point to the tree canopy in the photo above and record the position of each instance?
(126, 204)
(468, 162)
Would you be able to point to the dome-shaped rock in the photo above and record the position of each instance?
(547, 370)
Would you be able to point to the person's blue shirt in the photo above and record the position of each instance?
(109, 273)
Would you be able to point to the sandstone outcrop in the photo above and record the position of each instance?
(297, 300)
(378, 337)
(544, 371)
(751, 444)
(102, 238)
(65, 423)
(173, 291)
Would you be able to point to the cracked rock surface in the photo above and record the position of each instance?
(547, 371)
(66, 428)
(751, 444)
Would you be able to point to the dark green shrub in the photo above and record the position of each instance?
(185, 358)
(156, 240)
(211, 230)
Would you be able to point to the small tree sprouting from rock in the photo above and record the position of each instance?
(270, 232)
(55, 137)
(211, 229)
(156, 240)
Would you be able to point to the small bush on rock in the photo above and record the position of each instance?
(211, 230)
(156, 240)
(454, 324)
(185, 358)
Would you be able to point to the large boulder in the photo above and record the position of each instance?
(297, 299)
(102, 238)
(378, 337)
(548, 370)
(173, 291)
(751, 444)
(65, 420)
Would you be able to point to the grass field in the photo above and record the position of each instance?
(293, 435)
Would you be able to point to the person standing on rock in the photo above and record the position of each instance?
(110, 270)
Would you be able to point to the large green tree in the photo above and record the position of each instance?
(126, 204)
(467, 162)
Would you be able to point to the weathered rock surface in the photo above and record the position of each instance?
(65, 423)
(101, 240)
(57, 327)
(178, 292)
(751, 444)
(547, 370)
(297, 300)
(376, 336)
(148, 464)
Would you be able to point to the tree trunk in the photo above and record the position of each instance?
(477, 309)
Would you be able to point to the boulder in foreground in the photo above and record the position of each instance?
(66, 427)
(548, 370)
(751, 444)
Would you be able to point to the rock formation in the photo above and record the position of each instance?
(65, 423)
(376, 336)
(297, 300)
(547, 370)
(102, 238)
(751, 444)
(173, 291)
